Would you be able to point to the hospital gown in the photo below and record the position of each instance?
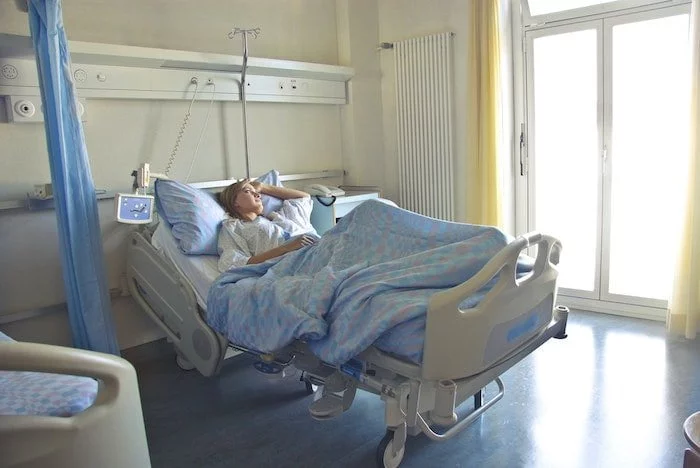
(239, 240)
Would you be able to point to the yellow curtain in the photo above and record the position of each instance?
(484, 116)
(684, 306)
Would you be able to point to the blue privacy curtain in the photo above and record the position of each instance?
(74, 193)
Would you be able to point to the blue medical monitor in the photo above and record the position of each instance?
(132, 208)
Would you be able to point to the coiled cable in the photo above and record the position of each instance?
(181, 132)
(204, 127)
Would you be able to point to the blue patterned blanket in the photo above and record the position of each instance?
(366, 281)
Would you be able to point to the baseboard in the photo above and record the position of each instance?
(613, 308)
(50, 325)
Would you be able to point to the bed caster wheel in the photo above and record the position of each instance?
(386, 458)
(183, 363)
(310, 388)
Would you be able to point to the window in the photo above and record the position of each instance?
(606, 128)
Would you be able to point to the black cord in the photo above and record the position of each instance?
(323, 202)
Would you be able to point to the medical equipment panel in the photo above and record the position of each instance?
(132, 208)
(127, 72)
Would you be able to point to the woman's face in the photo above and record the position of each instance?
(248, 200)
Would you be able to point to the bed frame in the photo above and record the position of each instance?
(464, 350)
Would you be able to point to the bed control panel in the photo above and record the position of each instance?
(133, 208)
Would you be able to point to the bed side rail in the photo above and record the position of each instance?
(169, 300)
(461, 343)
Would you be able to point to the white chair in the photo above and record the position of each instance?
(110, 433)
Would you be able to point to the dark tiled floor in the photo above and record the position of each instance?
(613, 394)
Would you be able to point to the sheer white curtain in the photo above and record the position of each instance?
(684, 306)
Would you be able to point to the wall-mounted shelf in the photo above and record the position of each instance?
(37, 204)
(113, 71)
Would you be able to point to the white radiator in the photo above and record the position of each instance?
(424, 126)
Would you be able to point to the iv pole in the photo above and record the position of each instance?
(245, 33)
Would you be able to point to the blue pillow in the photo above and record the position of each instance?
(271, 204)
(193, 214)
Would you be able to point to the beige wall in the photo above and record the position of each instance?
(399, 20)
(363, 134)
(302, 30)
(121, 134)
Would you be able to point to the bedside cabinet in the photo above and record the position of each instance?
(324, 217)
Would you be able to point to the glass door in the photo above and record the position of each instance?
(607, 131)
(647, 97)
(565, 120)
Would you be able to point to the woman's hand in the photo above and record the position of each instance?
(257, 185)
(299, 242)
(283, 193)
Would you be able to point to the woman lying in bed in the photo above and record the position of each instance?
(248, 237)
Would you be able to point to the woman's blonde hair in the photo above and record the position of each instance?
(227, 197)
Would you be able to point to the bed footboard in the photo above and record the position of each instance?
(460, 343)
(168, 299)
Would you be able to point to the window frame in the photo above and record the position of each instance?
(523, 26)
(528, 20)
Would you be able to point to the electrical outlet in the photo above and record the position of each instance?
(43, 191)
(28, 109)
(22, 109)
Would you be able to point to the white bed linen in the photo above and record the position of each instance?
(199, 270)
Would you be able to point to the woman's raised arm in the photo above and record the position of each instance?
(283, 193)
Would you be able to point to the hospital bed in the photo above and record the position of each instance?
(464, 351)
(65, 407)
